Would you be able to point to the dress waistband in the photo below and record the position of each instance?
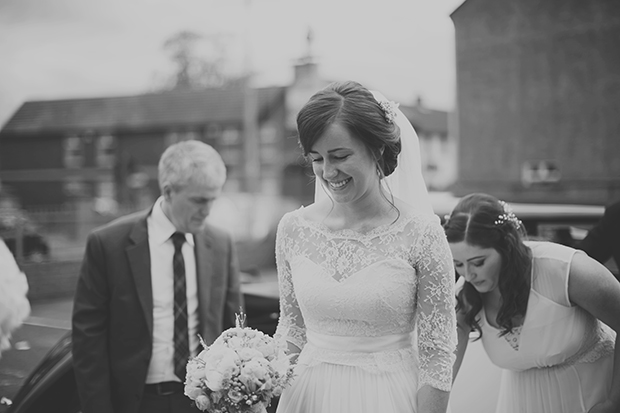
(359, 344)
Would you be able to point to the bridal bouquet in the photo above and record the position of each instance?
(240, 372)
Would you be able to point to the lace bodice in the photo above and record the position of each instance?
(396, 279)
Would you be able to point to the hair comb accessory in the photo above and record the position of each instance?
(507, 216)
(389, 109)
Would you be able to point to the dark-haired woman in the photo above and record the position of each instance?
(546, 313)
(366, 278)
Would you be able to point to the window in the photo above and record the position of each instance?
(214, 131)
(270, 154)
(105, 189)
(230, 136)
(73, 156)
(74, 186)
(105, 151)
(268, 134)
(176, 136)
(231, 156)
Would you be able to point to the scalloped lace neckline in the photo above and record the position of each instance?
(396, 226)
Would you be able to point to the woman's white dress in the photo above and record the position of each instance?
(14, 305)
(373, 314)
(561, 361)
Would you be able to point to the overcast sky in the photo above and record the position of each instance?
(57, 49)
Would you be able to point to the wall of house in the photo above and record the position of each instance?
(538, 84)
(32, 167)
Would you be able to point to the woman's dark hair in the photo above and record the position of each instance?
(354, 107)
(482, 220)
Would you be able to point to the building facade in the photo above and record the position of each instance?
(53, 152)
(538, 97)
(60, 152)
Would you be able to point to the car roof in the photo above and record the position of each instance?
(444, 202)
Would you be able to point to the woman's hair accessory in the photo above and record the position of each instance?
(389, 109)
(507, 216)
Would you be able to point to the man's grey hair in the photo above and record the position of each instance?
(191, 161)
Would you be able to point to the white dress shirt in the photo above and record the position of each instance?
(160, 229)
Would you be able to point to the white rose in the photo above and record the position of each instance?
(246, 354)
(203, 402)
(195, 370)
(281, 365)
(259, 408)
(254, 373)
(266, 349)
(235, 395)
(192, 391)
(221, 365)
(235, 342)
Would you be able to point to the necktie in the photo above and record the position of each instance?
(181, 334)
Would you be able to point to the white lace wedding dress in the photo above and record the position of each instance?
(14, 306)
(373, 314)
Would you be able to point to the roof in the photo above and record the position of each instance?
(426, 120)
(458, 8)
(136, 112)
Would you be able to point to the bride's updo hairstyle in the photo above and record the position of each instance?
(483, 221)
(354, 107)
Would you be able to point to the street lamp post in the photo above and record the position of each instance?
(251, 144)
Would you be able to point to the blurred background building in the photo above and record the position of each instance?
(538, 98)
(73, 164)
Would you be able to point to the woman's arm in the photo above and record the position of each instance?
(432, 400)
(593, 287)
(436, 320)
(291, 326)
(463, 330)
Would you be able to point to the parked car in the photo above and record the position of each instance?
(34, 247)
(51, 386)
(16, 228)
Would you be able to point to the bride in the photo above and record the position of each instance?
(14, 306)
(365, 272)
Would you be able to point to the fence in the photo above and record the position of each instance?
(49, 242)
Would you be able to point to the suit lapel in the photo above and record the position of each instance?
(139, 257)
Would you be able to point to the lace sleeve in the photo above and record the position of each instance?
(291, 326)
(436, 315)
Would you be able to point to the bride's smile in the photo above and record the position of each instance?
(344, 165)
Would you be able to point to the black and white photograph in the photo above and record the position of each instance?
(294, 206)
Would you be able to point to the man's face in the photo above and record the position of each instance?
(188, 207)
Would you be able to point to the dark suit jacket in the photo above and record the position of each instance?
(603, 240)
(113, 309)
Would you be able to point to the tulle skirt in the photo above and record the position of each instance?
(334, 388)
(563, 389)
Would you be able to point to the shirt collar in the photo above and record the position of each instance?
(163, 228)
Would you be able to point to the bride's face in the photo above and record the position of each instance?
(344, 165)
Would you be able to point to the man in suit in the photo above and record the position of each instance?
(150, 284)
(603, 240)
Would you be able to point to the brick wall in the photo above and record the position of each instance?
(538, 81)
